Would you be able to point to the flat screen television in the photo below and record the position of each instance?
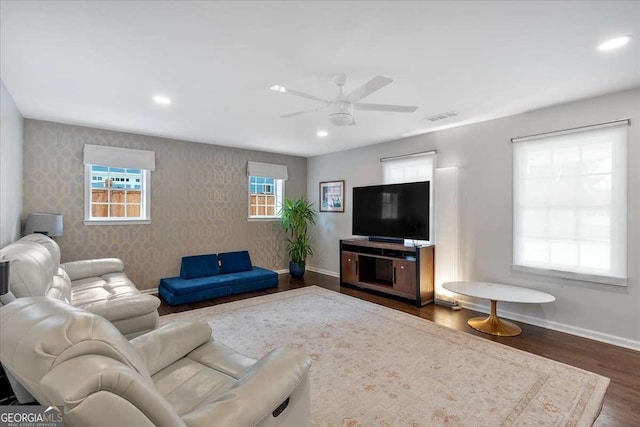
(399, 211)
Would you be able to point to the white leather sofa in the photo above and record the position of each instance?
(176, 375)
(98, 285)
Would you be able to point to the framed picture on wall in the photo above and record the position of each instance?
(332, 196)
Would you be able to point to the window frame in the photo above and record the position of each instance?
(145, 201)
(618, 246)
(278, 192)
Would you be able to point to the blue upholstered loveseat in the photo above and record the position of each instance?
(209, 276)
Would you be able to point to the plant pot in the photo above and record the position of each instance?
(296, 269)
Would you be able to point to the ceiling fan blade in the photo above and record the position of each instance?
(299, 113)
(385, 107)
(368, 88)
(283, 89)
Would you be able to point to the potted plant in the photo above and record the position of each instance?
(297, 215)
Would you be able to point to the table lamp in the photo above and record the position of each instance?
(48, 224)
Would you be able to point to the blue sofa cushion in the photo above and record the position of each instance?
(234, 262)
(255, 274)
(180, 286)
(196, 266)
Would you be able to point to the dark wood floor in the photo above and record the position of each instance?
(621, 404)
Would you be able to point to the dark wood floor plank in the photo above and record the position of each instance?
(621, 404)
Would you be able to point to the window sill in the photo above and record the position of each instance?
(116, 221)
(594, 278)
(264, 219)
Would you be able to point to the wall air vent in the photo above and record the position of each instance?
(442, 116)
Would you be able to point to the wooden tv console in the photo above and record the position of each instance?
(392, 268)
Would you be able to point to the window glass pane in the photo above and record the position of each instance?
(566, 160)
(563, 253)
(536, 192)
(563, 223)
(595, 223)
(111, 186)
(99, 196)
(536, 251)
(534, 222)
(594, 254)
(133, 210)
(133, 197)
(264, 196)
(117, 210)
(596, 158)
(595, 190)
(537, 163)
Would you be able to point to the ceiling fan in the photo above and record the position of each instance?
(342, 107)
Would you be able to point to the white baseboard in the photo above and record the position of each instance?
(557, 326)
(282, 271)
(152, 291)
(325, 272)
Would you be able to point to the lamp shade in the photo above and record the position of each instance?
(4, 276)
(45, 223)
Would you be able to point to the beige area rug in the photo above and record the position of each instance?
(375, 366)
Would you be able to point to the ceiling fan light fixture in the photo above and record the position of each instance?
(278, 88)
(159, 99)
(322, 133)
(341, 113)
(341, 119)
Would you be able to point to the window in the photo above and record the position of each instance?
(266, 189)
(410, 168)
(570, 204)
(265, 197)
(117, 193)
(118, 185)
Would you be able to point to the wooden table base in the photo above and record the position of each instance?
(493, 325)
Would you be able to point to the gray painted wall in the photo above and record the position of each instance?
(11, 140)
(482, 154)
(199, 200)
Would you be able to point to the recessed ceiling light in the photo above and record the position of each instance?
(278, 88)
(615, 43)
(322, 133)
(161, 99)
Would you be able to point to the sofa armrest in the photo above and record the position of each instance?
(260, 390)
(92, 267)
(114, 394)
(124, 307)
(170, 343)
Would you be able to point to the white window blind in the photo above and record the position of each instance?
(570, 204)
(412, 168)
(119, 157)
(267, 170)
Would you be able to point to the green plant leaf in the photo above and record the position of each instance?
(297, 215)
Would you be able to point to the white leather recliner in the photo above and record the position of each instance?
(97, 285)
(176, 375)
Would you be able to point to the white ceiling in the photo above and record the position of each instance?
(99, 64)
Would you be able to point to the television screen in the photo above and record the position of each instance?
(393, 210)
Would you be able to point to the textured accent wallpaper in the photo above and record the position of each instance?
(198, 200)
